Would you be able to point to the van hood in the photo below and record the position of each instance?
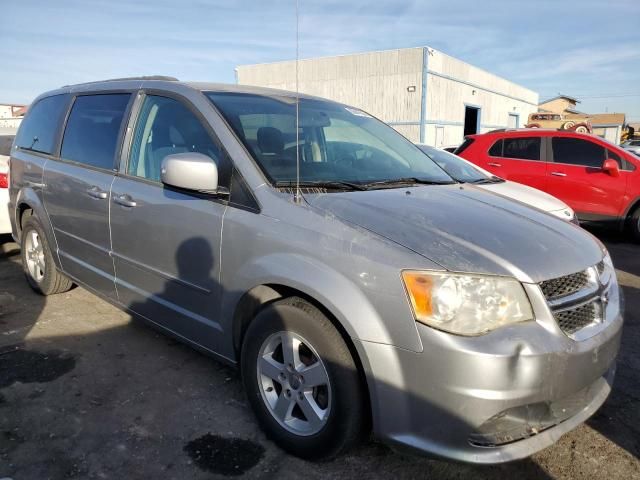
(465, 229)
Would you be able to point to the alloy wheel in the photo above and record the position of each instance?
(294, 383)
(34, 256)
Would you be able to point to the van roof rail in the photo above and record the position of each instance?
(145, 77)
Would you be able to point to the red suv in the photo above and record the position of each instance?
(596, 178)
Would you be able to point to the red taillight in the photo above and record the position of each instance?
(4, 180)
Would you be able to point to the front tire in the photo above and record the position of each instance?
(302, 382)
(37, 261)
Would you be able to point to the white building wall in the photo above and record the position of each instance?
(609, 132)
(375, 81)
(389, 85)
(453, 84)
(10, 123)
(7, 120)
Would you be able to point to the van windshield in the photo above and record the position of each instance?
(338, 145)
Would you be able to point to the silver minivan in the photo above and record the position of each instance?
(355, 284)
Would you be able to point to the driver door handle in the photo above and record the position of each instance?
(124, 200)
(558, 174)
(493, 164)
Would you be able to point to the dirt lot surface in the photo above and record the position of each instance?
(85, 392)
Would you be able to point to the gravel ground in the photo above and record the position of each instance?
(85, 392)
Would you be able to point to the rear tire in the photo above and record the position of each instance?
(37, 261)
(324, 375)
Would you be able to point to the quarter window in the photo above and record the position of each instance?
(166, 127)
(576, 151)
(91, 135)
(496, 149)
(39, 128)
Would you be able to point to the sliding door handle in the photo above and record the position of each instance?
(124, 200)
(29, 183)
(493, 164)
(95, 192)
(558, 174)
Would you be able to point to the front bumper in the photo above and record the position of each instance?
(439, 400)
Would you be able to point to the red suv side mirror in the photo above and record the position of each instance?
(610, 166)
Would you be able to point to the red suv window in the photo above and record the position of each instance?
(576, 151)
(524, 148)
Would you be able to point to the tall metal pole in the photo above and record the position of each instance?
(297, 197)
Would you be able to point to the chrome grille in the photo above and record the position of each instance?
(562, 286)
(576, 300)
(574, 319)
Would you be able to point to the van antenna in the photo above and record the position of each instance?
(297, 197)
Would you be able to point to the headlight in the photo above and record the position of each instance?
(466, 304)
(608, 271)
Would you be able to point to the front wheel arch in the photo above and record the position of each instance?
(256, 299)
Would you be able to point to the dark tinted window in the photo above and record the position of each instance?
(496, 149)
(165, 127)
(576, 151)
(622, 163)
(38, 129)
(524, 148)
(5, 144)
(616, 157)
(92, 130)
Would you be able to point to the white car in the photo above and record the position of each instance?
(5, 148)
(632, 146)
(464, 171)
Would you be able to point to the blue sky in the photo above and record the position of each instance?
(585, 48)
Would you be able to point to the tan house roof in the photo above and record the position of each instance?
(603, 118)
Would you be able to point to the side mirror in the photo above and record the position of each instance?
(191, 171)
(610, 166)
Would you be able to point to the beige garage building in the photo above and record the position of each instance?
(428, 96)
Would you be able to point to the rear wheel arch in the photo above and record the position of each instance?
(29, 205)
(24, 212)
(631, 221)
(633, 206)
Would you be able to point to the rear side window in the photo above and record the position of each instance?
(466, 144)
(523, 148)
(92, 130)
(39, 128)
(576, 151)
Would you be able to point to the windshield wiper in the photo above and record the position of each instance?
(481, 181)
(336, 185)
(406, 181)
